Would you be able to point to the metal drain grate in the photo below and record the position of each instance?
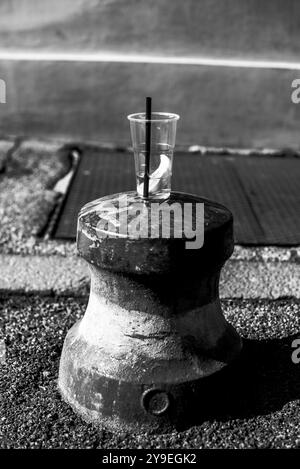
(263, 193)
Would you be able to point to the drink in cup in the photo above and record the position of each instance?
(162, 143)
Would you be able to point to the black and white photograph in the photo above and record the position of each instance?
(149, 229)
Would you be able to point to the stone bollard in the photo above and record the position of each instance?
(153, 328)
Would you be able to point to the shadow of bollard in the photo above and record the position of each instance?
(260, 381)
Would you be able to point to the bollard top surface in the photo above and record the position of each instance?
(125, 233)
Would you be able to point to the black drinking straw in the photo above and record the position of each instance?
(148, 147)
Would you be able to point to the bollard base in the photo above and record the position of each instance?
(133, 392)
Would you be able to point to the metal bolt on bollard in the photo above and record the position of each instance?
(153, 327)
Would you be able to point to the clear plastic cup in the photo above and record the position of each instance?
(163, 135)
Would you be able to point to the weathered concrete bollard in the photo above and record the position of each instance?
(153, 327)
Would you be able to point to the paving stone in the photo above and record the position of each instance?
(65, 275)
(44, 275)
(252, 279)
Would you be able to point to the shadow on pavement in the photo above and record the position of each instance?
(261, 381)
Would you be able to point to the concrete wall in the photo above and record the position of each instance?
(219, 105)
(91, 100)
(230, 28)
